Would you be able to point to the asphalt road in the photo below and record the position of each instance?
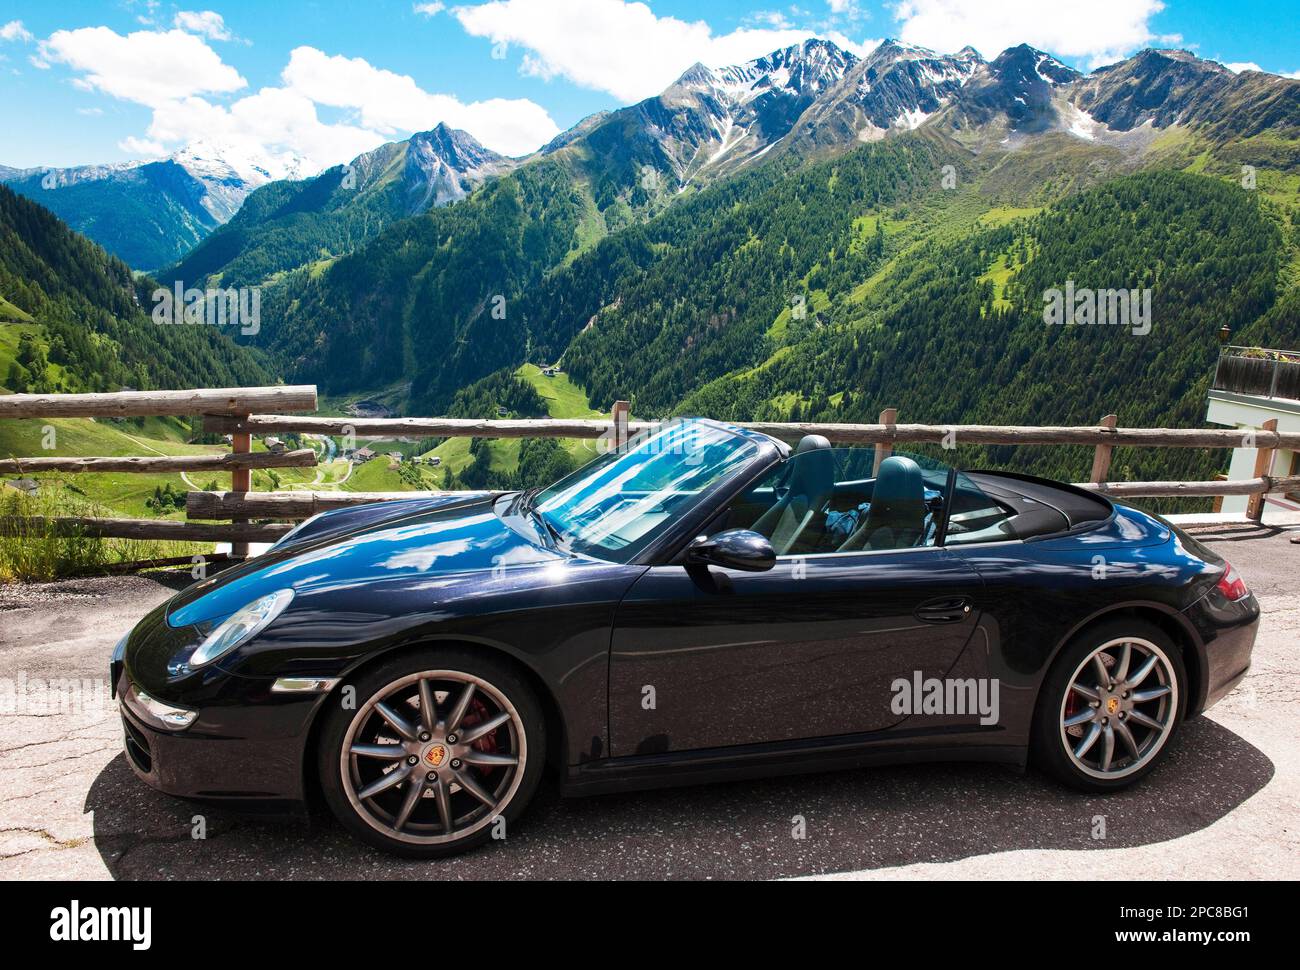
(1225, 804)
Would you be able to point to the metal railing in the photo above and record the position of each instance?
(1259, 372)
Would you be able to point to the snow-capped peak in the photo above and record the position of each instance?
(804, 69)
(250, 165)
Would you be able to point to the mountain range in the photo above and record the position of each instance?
(806, 100)
(150, 213)
(810, 234)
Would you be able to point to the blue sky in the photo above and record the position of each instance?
(95, 82)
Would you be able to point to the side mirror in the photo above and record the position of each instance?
(733, 549)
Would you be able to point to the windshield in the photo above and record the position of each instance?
(617, 505)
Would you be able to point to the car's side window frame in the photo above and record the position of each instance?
(714, 523)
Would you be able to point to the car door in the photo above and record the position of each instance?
(716, 657)
(705, 657)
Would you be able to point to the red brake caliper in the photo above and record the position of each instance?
(1071, 709)
(477, 714)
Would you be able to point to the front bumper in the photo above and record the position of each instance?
(251, 746)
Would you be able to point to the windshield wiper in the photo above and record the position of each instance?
(525, 504)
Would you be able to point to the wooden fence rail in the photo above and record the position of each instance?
(847, 434)
(980, 434)
(418, 427)
(304, 458)
(243, 413)
(146, 404)
(285, 505)
(1265, 485)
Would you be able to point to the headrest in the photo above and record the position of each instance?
(811, 442)
(900, 479)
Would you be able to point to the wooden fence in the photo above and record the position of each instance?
(229, 403)
(239, 413)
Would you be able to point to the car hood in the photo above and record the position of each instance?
(427, 538)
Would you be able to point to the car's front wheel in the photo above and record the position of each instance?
(439, 750)
(1110, 706)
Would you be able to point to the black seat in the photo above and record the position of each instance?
(797, 517)
(896, 518)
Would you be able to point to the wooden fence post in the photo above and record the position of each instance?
(1101, 457)
(1263, 469)
(619, 417)
(884, 448)
(241, 480)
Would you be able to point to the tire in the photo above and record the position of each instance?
(1055, 746)
(460, 777)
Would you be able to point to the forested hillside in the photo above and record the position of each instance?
(894, 250)
(148, 215)
(285, 224)
(432, 297)
(729, 266)
(72, 318)
(955, 333)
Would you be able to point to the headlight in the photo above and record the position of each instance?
(246, 623)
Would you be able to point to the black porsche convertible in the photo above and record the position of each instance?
(707, 603)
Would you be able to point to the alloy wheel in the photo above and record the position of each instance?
(433, 757)
(1119, 708)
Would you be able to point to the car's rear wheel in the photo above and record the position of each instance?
(441, 751)
(1110, 706)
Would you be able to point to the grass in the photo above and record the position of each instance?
(12, 314)
(778, 332)
(124, 493)
(10, 335)
(1000, 274)
(1002, 214)
(35, 553)
(375, 476)
(564, 399)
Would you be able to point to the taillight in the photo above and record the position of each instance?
(1232, 586)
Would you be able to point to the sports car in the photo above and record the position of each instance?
(704, 603)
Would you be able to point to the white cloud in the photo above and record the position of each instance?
(142, 147)
(768, 18)
(430, 9)
(858, 48)
(274, 123)
(177, 75)
(1294, 75)
(1237, 67)
(148, 67)
(388, 102)
(14, 30)
(1101, 31)
(209, 23)
(613, 46)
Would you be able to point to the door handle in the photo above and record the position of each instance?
(945, 609)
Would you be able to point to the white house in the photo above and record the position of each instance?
(1251, 386)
